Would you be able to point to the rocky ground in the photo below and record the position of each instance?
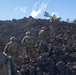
(55, 56)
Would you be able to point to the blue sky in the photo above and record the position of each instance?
(18, 9)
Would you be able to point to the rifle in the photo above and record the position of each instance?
(9, 68)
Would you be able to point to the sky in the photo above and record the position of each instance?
(17, 9)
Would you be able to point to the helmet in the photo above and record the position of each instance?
(28, 33)
(43, 28)
(12, 39)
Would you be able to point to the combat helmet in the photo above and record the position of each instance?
(43, 28)
(12, 39)
(28, 33)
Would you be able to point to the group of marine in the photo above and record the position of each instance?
(38, 57)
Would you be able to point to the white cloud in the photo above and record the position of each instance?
(36, 4)
(54, 13)
(20, 9)
(23, 9)
(35, 12)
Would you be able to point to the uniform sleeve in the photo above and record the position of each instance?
(6, 48)
(23, 41)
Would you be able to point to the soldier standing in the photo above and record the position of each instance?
(42, 45)
(12, 48)
(42, 34)
(28, 43)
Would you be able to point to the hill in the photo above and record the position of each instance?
(61, 57)
(19, 27)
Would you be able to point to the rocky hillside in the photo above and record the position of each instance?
(61, 57)
(18, 27)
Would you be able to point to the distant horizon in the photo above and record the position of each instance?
(47, 18)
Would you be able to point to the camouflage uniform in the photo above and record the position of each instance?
(12, 48)
(7, 65)
(42, 34)
(43, 39)
(28, 43)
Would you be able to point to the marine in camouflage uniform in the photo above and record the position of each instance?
(42, 34)
(43, 37)
(12, 48)
(28, 43)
